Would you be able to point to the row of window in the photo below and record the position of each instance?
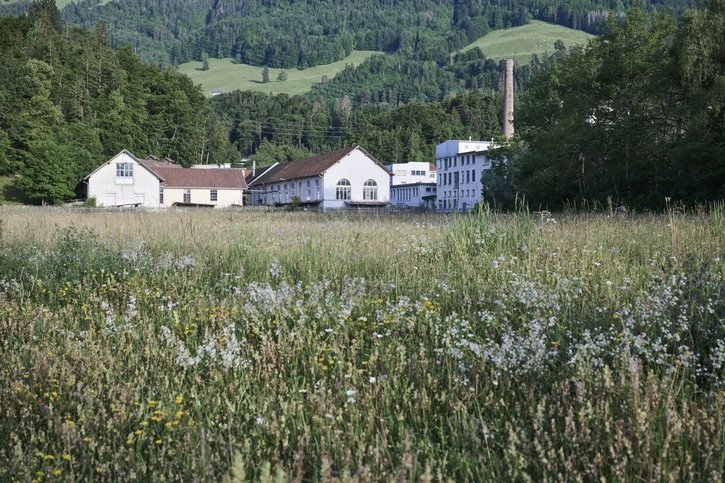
(343, 190)
(465, 160)
(463, 194)
(406, 194)
(464, 177)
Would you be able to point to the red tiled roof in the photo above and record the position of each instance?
(303, 168)
(176, 177)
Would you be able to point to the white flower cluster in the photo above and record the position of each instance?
(225, 351)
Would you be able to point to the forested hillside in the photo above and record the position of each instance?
(302, 33)
(68, 102)
(634, 118)
(282, 128)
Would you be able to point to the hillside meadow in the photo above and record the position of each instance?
(228, 75)
(254, 345)
(520, 43)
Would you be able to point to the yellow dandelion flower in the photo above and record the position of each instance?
(158, 441)
(179, 414)
(179, 399)
(138, 432)
(143, 424)
(129, 442)
(70, 423)
(57, 472)
(86, 440)
(167, 424)
(49, 457)
(67, 456)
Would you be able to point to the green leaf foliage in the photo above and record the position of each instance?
(68, 102)
(632, 119)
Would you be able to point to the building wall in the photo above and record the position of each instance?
(108, 190)
(403, 172)
(412, 195)
(460, 165)
(357, 168)
(225, 196)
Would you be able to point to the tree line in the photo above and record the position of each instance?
(632, 119)
(69, 102)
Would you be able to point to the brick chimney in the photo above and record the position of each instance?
(508, 100)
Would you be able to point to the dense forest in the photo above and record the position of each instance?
(281, 128)
(303, 33)
(635, 117)
(68, 102)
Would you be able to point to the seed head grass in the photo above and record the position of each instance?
(244, 345)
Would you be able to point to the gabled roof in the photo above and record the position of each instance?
(128, 153)
(305, 168)
(176, 177)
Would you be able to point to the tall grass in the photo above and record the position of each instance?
(245, 345)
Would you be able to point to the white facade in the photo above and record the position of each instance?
(460, 165)
(359, 169)
(412, 172)
(414, 195)
(216, 197)
(353, 179)
(124, 181)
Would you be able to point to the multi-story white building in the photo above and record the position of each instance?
(460, 165)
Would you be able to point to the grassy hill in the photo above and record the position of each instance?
(225, 75)
(520, 42)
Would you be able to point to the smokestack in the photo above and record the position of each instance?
(508, 100)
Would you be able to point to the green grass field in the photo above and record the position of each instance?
(245, 345)
(520, 42)
(225, 75)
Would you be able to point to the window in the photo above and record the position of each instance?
(213, 195)
(370, 190)
(187, 196)
(124, 170)
(161, 196)
(343, 189)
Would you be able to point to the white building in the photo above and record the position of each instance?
(126, 180)
(412, 172)
(460, 165)
(345, 178)
(414, 195)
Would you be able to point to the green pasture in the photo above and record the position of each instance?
(534, 38)
(226, 75)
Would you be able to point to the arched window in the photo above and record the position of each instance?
(343, 189)
(370, 190)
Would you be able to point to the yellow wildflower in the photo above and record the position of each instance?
(179, 399)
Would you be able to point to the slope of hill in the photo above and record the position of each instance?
(293, 33)
(521, 42)
(228, 75)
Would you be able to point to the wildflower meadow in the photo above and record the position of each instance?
(268, 346)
